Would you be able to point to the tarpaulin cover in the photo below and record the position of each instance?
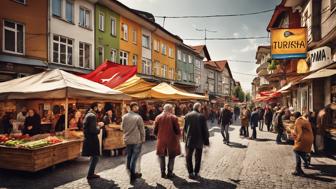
(111, 74)
(56, 84)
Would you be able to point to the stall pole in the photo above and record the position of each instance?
(66, 109)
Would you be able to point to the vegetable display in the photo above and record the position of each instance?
(24, 142)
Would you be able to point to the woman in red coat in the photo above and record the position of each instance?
(168, 133)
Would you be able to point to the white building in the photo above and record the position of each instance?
(71, 35)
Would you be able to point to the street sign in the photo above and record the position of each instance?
(288, 43)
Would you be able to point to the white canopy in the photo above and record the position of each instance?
(57, 84)
(321, 73)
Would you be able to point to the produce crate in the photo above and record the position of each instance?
(33, 160)
(114, 139)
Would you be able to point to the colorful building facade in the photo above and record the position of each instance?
(107, 35)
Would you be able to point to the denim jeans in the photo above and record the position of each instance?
(171, 161)
(225, 132)
(261, 124)
(280, 133)
(93, 164)
(133, 152)
(254, 132)
(298, 156)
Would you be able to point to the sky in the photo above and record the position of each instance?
(244, 26)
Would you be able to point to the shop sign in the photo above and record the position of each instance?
(319, 58)
(289, 43)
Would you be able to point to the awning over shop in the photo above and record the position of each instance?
(136, 87)
(111, 74)
(321, 73)
(56, 84)
(267, 96)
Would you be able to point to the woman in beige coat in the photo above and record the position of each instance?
(303, 141)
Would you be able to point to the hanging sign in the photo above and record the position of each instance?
(320, 57)
(289, 43)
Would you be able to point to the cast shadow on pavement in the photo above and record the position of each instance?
(325, 170)
(237, 145)
(202, 183)
(264, 139)
(102, 183)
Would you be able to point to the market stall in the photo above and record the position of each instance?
(42, 91)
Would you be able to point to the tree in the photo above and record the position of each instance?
(239, 93)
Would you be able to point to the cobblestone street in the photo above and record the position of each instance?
(243, 164)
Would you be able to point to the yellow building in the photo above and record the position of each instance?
(163, 57)
(130, 43)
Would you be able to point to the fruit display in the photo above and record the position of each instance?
(53, 140)
(34, 144)
(28, 143)
(13, 142)
(3, 139)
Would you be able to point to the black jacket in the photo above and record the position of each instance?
(34, 121)
(91, 142)
(254, 119)
(225, 117)
(195, 130)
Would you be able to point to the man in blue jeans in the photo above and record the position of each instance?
(134, 135)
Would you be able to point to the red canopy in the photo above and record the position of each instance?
(111, 74)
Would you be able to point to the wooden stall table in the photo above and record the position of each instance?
(114, 138)
(33, 160)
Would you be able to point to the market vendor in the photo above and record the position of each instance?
(109, 117)
(76, 121)
(32, 124)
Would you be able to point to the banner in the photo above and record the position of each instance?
(289, 43)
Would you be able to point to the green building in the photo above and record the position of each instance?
(107, 35)
(185, 67)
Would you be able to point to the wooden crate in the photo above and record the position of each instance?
(114, 139)
(33, 160)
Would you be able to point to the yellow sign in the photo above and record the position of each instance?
(289, 43)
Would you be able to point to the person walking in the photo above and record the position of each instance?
(261, 112)
(303, 140)
(254, 122)
(268, 118)
(168, 134)
(225, 119)
(196, 135)
(244, 117)
(133, 128)
(91, 142)
(236, 111)
(279, 125)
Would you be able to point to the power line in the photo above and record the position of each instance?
(242, 61)
(244, 74)
(216, 15)
(226, 38)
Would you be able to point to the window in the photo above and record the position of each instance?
(189, 59)
(125, 32)
(84, 55)
(123, 56)
(179, 55)
(211, 74)
(113, 26)
(170, 52)
(21, 1)
(57, 7)
(156, 45)
(69, 11)
(13, 34)
(157, 67)
(184, 57)
(84, 18)
(135, 60)
(134, 34)
(184, 76)
(146, 66)
(145, 41)
(163, 49)
(198, 63)
(113, 55)
(100, 54)
(164, 71)
(179, 75)
(171, 73)
(101, 25)
(198, 80)
(211, 85)
(62, 50)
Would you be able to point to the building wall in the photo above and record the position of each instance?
(34, 16)
(73, 30)
(328, 18)
(104, 38)
(184, 66)
(128, 45)
(164, 59)
(147, 52)
(198, 72)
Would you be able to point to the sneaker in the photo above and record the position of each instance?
(191, 176)
(94, 176)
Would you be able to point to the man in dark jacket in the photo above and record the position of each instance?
(254, 123)
(196, 135)
(91, 142)
(32, 124)
(225, 119)
(261, 112)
